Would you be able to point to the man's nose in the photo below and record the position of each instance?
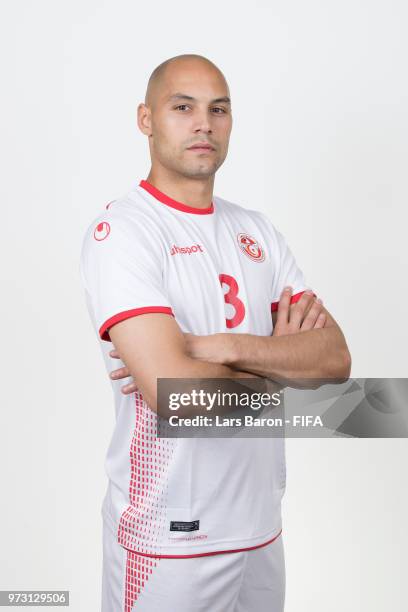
(202, 122)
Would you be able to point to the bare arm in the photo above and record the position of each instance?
(153, 346)
(294, 351)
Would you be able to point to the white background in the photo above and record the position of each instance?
(319, 143)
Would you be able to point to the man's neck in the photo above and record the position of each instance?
(192, 192)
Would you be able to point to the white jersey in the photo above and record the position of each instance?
(219, 269)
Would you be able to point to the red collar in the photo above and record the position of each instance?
(165, 199)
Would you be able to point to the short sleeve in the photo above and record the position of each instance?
(121, 268)
(287, 273)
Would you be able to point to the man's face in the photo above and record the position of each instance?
(190, 107)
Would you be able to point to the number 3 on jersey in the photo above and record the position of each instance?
(231, 297)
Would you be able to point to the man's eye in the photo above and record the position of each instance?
(218, 109)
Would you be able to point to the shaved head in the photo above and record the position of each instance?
(179, 62)
(187, 102)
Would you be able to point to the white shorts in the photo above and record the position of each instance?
(244, 581)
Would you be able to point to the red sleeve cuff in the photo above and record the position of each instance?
(295, 298)
(126, 314)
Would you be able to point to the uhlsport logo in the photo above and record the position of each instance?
(102, 231)
(250, 247)
(187, 250)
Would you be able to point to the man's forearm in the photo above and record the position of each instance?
(195, 368)
(152, 346)
(317, 353)
(186, 367)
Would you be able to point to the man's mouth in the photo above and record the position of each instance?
(201, 146)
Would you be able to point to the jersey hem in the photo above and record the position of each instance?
(167, 553)
(204, 554)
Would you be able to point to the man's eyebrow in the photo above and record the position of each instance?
(181, 96)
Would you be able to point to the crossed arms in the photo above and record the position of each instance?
(306, 343)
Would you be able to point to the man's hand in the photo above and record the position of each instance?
(122, 373)
(306, 314)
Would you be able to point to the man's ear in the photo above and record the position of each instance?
(144, 119)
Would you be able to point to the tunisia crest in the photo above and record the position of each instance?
(251, 247)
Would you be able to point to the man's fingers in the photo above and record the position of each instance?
(130, 388)
(114, 353)
(119, 373)
(298, 312)
(284, 305)
(321, 321)
(312, 315)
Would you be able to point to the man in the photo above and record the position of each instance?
(189, 285)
